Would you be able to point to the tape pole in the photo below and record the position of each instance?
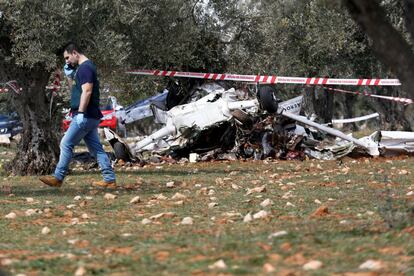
(267, 79)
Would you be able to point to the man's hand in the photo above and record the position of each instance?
(80, 119)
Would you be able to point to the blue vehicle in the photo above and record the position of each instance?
(10, 125)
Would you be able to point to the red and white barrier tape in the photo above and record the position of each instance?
(364, 93)
(268, 79)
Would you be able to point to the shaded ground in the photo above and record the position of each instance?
(340, 213)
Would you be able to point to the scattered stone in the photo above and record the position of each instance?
(372, 265)
(135, 200)
(268, 268)
(178, 196)
(45, 230)
(266, 202)
(161, 197)
(277, 234)
(170, 184)
(109, 196)
(260, 189)
(248, 218)
(410, 193)
(146, 221)
(220, 264)
(261, 214)
(85, 216)
(77, 198)
(288, 204)
(71, 206)
(163, 215)
(187, 221)
(235, 187)
(29, 199)
(81, 271)
(10, 215)
(312, 265)
(30, 212)
(317, 201)
(212, 204)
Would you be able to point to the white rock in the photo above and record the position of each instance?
(317, 201)
(235, 187)
(371, 265)
(109, 196)
(6, 262)
(146, 221)
(45, 230)
(212, 204)
(77, 198)
(170, 184)
(410, 193)
(266, 202)
(220, 264)
(312, 265)
(211, 192)
(81, 271)
(178, 196)
(88, 197)
(290, 204)
(268, 268)
(11, 215)
(261, 214)
(136, 199)
(84, 216)
(278, 234)
(248, 218)
(74, 221)
(71, 206)
(29, 199)
(30, 212)
(187, 221)
(161, 197)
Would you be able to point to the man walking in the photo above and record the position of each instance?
(86, 116)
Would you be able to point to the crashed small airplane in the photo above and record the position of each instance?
(219, 118)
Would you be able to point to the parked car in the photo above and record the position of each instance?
(10, 125)
(108, 109)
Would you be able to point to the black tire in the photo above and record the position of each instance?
(267, 99)
(121, 152)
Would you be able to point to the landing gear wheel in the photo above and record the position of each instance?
(121, 152)
(267, 99)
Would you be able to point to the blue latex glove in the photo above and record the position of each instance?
(80, 119)
(69, 71)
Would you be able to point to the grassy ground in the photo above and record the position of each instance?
(363, 214)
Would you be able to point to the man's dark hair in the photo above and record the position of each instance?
(72, 46)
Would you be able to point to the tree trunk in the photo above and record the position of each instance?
(38, 149)
(387, 43)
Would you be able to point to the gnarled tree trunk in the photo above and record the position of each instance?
(38, 150)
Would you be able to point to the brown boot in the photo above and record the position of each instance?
(51, 181)
(104, 184)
